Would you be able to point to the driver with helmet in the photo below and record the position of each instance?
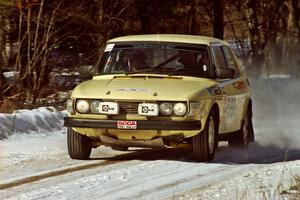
(137, 60)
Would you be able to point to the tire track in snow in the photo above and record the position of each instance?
(154, 174)
(145, 154)
(54, 173)
(185, 178)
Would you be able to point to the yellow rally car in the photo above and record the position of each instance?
(159, 91)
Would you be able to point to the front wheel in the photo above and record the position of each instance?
(205, 143)
(79, 146)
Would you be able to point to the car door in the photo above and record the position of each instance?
(233, 98)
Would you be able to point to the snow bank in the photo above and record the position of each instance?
(41, 120)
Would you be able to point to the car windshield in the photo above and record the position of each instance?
(156, 58)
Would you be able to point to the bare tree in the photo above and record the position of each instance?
(218, 20)
(2, 50)
(4, 10)
(292, 37)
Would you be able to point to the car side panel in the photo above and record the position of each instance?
(236, 93)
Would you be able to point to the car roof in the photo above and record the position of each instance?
(192, 39)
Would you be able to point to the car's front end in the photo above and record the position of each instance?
(139, 110)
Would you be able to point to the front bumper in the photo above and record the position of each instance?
(141, 124)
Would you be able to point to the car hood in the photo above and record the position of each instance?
(144, 87)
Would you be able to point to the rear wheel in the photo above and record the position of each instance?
(245, 135)
(204, 144)
(79, 146)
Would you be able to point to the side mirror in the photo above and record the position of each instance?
(224, 73)
(86, 70)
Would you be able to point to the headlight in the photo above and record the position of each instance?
(166, 108)
(70, 106)
(95, 106)
(180, 109)
(82, 106)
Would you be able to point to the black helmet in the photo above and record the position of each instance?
(138, 54)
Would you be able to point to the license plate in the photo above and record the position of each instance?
(127, 124)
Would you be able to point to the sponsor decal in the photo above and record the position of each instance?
(106, 108)
(223, 123)
(230, 107)
(229, 112)
(133, 90)
(216, 90)
(109, 47)
(240, 85)
(110, 108)
(148, 109)
(153, 45)
(127, 124)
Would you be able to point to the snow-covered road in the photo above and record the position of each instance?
(140, 174)
(36, 165)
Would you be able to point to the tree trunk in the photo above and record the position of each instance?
(193, 22)
(257, 53)
(292, 40)
(2, 53)
(143, 12)
(253, 25)
(218, 27)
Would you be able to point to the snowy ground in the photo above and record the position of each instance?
(34, 162)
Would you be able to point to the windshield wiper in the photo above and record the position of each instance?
(166, 61)
(157, 67)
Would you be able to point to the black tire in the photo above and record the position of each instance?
(245, 135)
(79, 146)
(205, 143)
(251, 129)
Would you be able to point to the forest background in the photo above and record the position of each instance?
(41, 40)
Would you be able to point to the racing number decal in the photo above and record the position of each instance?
(229, 112)
(230, 107)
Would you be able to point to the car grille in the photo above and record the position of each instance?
(128, 107)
